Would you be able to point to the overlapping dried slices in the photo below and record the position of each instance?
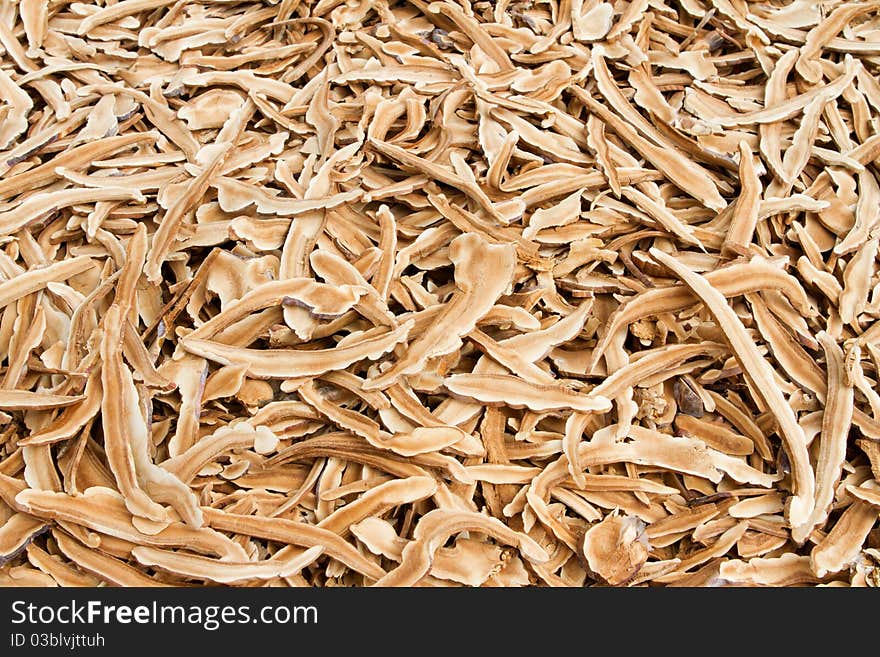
(553, 293)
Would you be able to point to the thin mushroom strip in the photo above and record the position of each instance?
(339, 293)
(224, 572)
(760, 376)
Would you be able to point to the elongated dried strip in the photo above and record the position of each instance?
(117, 416)
(820, 35)
(36, 279)
(338, 272)
(292, 363)
(378, 500)
(291, 532)
(856, 281)
(682, 171)
(126, 439)
(435, 527)
(715, 435)
(46, 203)
(74, 417)
(745, 213)
(654, 361)
(104, 511)
(423, 440)
(867, 214)
(681, 521)
(474, 31)
(344, 418)
(786, 570)
(13, 400)
(437, 172)
(514, 392)
(770, 141)
(482, 274)
(164, 236)
(117, 11)
(792, 106)
(73, 158)
(754, 276)
(868, 495)
(798, 154)
(185, 466)
(319, 298)
(763, 385)
(388, 246)
(726, 541)
(103, 566)
(661, 214)
(842, 544)
(511, 359)
(224, 572)
(15, 120)
(836, 419)
(597, 141)
(787, 351)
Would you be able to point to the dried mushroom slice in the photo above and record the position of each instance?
(616, 548)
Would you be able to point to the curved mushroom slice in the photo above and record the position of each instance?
(15, 121)
(615, 549)
(745, 213)
(322, 300)
(103, 510)
(105, 567)
(20, 400)
(36, 279)
(435, 527)
(126, 439)
(787, 570)
(511, 359)
(483, 272)
(224, 572)
(754, 276)
(184, 200)
(292, 363)
(42, 204)
(646, 364)
(118, 11)
(63, 573)
(686, 174)
(760, 373)
(292, 532)
(819, 36)
(841, 546)
(16, 533)
(516, 393)
(378, 500)
(836, 420)
(423, 440)
(869, 495)
(186, 465)
(715, 435)
(73, 418)
(339, 273)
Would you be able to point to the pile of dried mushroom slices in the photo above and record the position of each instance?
(514, 293)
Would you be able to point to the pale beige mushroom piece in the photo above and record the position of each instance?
(616, 548)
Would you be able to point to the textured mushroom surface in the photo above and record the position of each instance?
(458, 293)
